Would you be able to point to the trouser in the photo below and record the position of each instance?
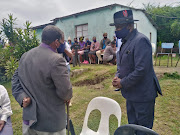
(140, 113)
(98, 53)
(7, 129)
(86, 55)
(29, 131)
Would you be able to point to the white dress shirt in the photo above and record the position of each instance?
(5, 106)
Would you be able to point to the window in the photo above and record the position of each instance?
(82, 30)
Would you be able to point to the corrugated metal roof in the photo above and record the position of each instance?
(43, 25)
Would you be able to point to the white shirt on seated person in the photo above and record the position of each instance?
(5, 112)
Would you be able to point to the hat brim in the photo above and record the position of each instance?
(122, 22)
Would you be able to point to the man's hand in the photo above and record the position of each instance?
(67, 102)
(2, 123)
(26, 101)
(116, 82)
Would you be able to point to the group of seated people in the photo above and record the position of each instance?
(91, 51)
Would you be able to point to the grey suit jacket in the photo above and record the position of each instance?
(135, 69)
(43, 76)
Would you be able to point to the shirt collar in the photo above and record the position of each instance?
(47, 46)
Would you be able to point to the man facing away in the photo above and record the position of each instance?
(46, 86)
(135, 75)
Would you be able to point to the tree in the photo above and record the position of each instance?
(8, 29)
(20, 40)
(167, 18)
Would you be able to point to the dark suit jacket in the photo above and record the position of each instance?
(135, 68)
(44, 77)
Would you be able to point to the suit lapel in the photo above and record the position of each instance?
(126, 45)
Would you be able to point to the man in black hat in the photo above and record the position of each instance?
(135, 75)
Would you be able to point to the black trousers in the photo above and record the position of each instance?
(140, 113)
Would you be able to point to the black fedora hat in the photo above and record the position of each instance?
(122, 17)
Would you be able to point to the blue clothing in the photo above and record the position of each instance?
(104, 45)
(7, 129)
(135, 69)
(140, 113)
(138, 79)
(61, 48)
(88, 43)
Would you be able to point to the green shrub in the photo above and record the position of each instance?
(174, 75)
(20, 40)
(11, 66)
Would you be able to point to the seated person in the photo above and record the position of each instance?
(70, 42)
(81, 50)
(93, 49)
(75, 41)
(5, 113)
(110, 54)
(86, 51)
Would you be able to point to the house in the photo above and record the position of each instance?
(96, 21)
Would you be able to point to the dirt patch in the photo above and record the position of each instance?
(96, 80)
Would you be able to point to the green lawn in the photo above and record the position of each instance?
(96, 81)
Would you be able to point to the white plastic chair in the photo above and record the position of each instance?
(107, 107)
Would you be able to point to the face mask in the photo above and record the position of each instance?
(61, 48)
(105, 37)
(94, 41)
(122, 33)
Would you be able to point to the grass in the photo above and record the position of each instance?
(164, 60)
(167, 109)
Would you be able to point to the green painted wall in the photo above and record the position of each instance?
(39, 33)
(98, 22)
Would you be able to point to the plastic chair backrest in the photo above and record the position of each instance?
(107, 107)
(130, 129)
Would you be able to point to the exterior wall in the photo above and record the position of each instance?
(39, 33)
(145, 26)
(98, 22)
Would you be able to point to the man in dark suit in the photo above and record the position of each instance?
(41, 85)
(135, 75)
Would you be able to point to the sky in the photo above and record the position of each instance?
(42, 11)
